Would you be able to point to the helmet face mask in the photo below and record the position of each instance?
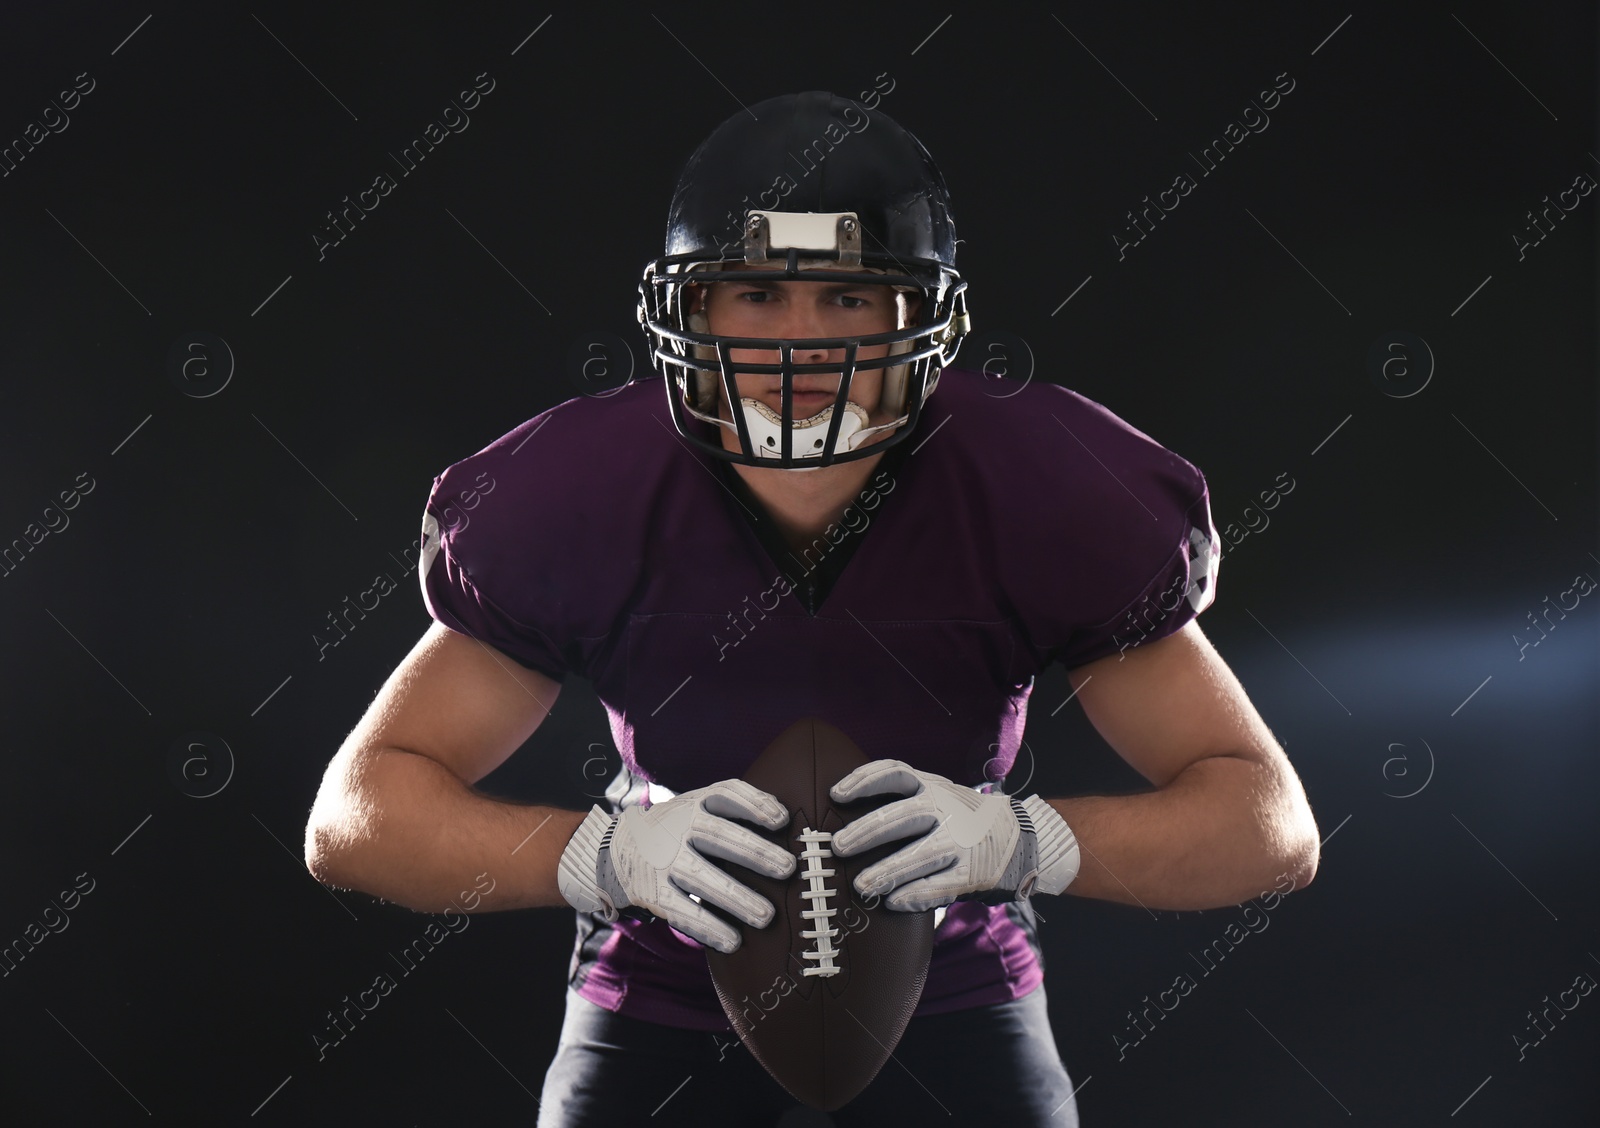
(898, 234)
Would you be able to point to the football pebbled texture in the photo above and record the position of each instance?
(822, 994)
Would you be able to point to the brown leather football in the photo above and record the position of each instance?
(822, 994)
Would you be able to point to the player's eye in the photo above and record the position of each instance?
(852, 302)
(763, 295)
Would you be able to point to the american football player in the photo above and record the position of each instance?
(788, 522)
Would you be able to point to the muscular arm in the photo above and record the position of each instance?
(402, 826)
(1228, 815)
(397, 816)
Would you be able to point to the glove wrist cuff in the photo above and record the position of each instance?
(579, 875)
(1057, 846)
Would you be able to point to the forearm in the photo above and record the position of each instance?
(1219, 833)
(403, 827)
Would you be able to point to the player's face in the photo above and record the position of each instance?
(797, 310)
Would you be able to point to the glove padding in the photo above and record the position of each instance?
(974, 847)
(654, 857)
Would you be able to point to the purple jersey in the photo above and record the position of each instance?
(1008, 533)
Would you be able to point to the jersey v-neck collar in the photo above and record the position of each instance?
(813, 581)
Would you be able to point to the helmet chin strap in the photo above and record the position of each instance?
(766, 429)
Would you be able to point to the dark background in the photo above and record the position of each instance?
(221, 530)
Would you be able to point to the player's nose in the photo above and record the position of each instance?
(800, 319)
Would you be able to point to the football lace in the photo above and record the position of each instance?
(820, 895)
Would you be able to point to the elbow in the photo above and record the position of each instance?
(1299, 848)
(340, 825)
(1280, 862)
(1291, 829)
(333, 836)
(1301, 864)
(321, 855)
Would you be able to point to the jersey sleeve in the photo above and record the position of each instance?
(479, 577)
(1171, 576)
(1111, 545)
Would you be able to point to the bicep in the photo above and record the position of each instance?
(1164, 705)
(458, 701)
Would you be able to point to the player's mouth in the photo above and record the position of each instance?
(806, 402)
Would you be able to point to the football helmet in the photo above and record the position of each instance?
(804, 187)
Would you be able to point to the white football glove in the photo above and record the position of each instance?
(651, 857)
(985, 848)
